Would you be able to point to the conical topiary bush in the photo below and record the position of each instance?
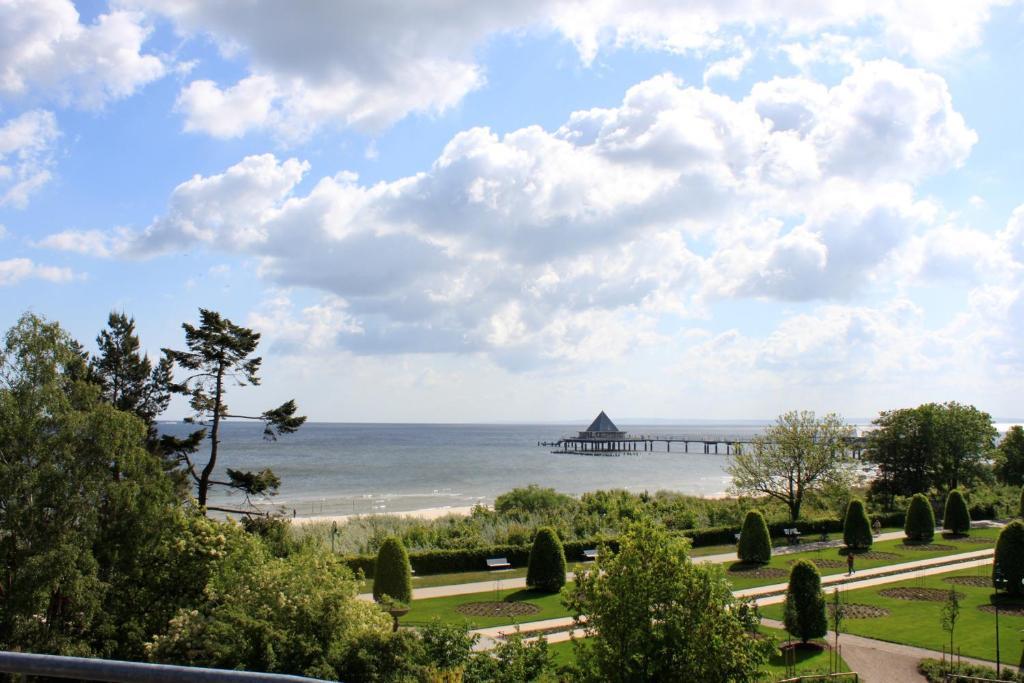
(546, 570)
(857, 526)
(920, 522)
(392, 575)
(1009, 558)
(755, 542)
(956, 518)
(805, 616)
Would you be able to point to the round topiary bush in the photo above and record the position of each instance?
(805, 603)
(1010, 558)
(392, 577)
(755, 542)
(546, 570)
(857, 526)
(920, 523)
(956, 518)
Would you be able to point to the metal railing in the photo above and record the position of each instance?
(114, 671)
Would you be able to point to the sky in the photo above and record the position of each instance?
(475, 211)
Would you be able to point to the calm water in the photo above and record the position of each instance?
(332, 468)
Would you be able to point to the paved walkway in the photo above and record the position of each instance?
(769, 595)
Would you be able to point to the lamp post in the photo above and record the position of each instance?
(999, 580)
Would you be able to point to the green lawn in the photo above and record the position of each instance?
(896, 547)
(916, 622)
(423, 611)
(807, 663)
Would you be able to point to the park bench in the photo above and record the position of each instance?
(498, 563)
(737, 537)
(793, 535)
(590, 554)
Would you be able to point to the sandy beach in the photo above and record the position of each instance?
(425, 513)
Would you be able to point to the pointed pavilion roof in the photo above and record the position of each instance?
(602, 423)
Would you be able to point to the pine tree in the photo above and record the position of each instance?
(805, 602)
(546, 570)
(392, 575)
(755, 542)
(920, 522)
(127, 378)
(857, 527)
(956, 518)
(219, 353)
(1009, 558)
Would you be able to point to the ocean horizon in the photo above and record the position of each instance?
(335, 468)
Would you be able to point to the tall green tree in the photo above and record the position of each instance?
(932, 446)
(546, 568)
(128, 380)
(652, 615)
(805, 602)
(798, 455)
(1010, 457)
(83, 507)
(392, 575)
(219, 354)
(755, 542)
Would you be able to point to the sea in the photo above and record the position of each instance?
(342, 469)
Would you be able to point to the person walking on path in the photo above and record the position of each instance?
(849, 561)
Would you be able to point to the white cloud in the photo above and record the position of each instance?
(26, 155)
(13, 271)
(570, 245)
(370, 64)
(45, 48)
(730, 68)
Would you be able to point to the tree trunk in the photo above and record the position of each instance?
(204, 479)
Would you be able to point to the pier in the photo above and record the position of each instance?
(602, 437)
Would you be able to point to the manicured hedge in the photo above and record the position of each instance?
(392, 578)
(425, 562)
(755, 544)
(857, 527)
(546, 570)
(956, 518)
(804, 609)
(920, 524)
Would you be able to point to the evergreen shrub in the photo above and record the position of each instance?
(956, 518)
(857, 527)
(755, 543)
(1009, 557)
(546, 570)
(805, 616)
(392, 576)
(920, 524)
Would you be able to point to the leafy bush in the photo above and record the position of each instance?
(856, 527)
(956, 517)
(392, 575)
(755, 543)
(533, 498)
(512, 659)
(546, 570)
(935, 671)
(1009, 558)
(805, 602)
(920, 524)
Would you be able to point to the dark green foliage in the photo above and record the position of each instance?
(805, 602)
(220, 354)
(755, 543)
(935, 670)
(1009, 558)
(546, 570)
(511, 660)
(1020, 513)
(378, 657)
(956, 517)
(393, 575)
(932, 446)
(920, 524)
(857, 526)
(127, 378)
(652, 615)
(1010, 457)
(533, 498)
